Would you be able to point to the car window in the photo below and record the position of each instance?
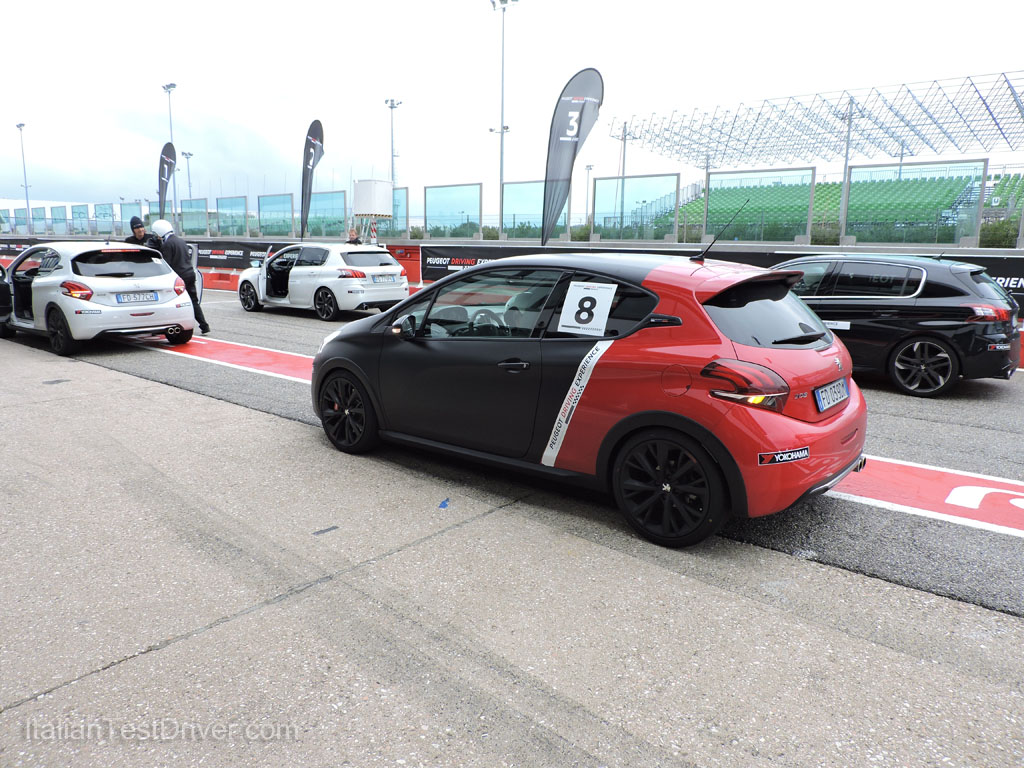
(498, 303)
(594, 306)
(311, 257)
(766, 314)
(814, 273)
(119, 263)
(369, 259)
(284, 259)
(29, 266)
(48, 261)
(988, 287)
(936, 290)
(864, 279)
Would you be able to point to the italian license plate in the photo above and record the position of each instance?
(134, 298)
(831, 394)
(383, 278)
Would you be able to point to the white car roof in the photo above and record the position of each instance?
(72, 248)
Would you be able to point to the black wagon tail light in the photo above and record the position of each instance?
(986, 313)
(748, 383)
(76, 290)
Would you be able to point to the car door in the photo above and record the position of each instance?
(275, 273)
(867, 304)
(22, 274)
(5, 295)
(469, 376)
(305, 275)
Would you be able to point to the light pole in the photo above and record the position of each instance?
(188, 170)
(587, 211)
(392, 105)
(170, 124)
(24, 173)
(502, 129)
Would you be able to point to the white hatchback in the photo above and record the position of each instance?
(325, 277)
(76, 291)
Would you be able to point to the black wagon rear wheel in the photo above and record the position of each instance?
(924, 367)
(347, 414)
(669, 488)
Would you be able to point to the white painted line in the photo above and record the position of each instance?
(927, 513)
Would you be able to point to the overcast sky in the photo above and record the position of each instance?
(86, 81)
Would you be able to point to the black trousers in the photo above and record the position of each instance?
(190, 286)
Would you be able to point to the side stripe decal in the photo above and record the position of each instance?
(572, 399)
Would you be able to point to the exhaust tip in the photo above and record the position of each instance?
(174, 330)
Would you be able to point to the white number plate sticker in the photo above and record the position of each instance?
(586, 308)
(831, 394)
(383, 278)
(132, 298)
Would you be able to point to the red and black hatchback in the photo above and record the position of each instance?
(691, 390)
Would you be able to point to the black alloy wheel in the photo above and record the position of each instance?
(924, 367)
(61, 340)
(325, 304)
(347, 415)
(247, 295)
(669, 488)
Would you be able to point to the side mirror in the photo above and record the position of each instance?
(404, 327)
(254, 262)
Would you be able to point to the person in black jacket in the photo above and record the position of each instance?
(176, 254)
(140, 236)
(353, 238)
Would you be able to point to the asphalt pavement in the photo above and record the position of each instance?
(191, 581)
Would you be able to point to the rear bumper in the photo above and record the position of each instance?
(88, 321)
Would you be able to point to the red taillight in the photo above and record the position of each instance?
(403, 272)
(750, 384)
(986, 313)
(179, 286)
(76, 290)
(350, 273)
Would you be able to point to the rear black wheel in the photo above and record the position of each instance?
(247, 296)
(347, 414)
(61, 340)
(669, 488)
(6, 331)
(325, 304)
(924, 367)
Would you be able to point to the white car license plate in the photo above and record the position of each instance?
(132, 298)
(383, 278)
(831, 394)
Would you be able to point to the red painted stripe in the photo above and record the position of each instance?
(258, 359)
(991, 501)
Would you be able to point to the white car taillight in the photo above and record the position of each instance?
(179, 286)
(350, 273)
(76, 290)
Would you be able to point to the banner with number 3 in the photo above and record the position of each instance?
(586, 308)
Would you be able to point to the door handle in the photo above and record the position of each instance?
(513, 366)
(884, 313)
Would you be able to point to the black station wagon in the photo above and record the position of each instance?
(925, 322)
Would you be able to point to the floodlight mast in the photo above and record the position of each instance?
(24, 173)
(170, 125)
(502, 129)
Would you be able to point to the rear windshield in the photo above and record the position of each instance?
(766, 315)
(369, 259)
(119, 264)
(989, 288)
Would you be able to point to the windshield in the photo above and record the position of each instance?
(119, 264)
(766, 315)
(369, 259)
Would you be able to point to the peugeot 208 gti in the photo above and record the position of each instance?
(691, 390)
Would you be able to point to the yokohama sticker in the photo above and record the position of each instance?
(783, 457)
(572, 399)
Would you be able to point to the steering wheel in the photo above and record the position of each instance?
(491, 321)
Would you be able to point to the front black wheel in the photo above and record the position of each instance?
(61, 340)
(247, 296)
(347, 414)
(924, 367)
(325, 304)
(6, 331)
(669, 488)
